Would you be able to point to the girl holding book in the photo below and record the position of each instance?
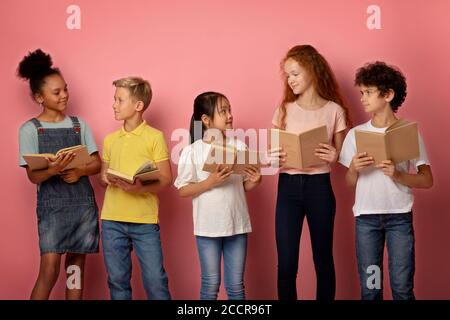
(311, 99)
(220, 212)
(67, 213)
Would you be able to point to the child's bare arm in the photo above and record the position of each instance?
(104, 181)
(422, 179)
(328, 152)
(359, 162)
(194, 189)
(214, 179)
(165, 177)
(94, 166)
(254, 178)
(351, 177)
(39, 176)
(91, 168)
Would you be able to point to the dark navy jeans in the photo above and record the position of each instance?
(301, 195)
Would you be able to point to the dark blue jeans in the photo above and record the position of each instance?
(372, 231)
(312, 196)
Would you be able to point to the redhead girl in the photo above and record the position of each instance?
(311, 99)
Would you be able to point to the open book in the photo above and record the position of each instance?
(236, 160)
(400, 142)
(39, 161)
(145, 173)
(300, 148)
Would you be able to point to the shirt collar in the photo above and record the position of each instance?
(137, 131)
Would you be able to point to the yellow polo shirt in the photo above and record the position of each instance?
(126, 152)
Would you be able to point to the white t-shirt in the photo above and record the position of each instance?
(375, 192)
(221, 211)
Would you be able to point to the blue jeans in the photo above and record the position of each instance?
(234, 250)
(119, 239)
(371, 232)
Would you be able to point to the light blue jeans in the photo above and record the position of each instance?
(119, 239)
(372, 232)
(234, 249)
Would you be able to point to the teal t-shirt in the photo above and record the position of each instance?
(28, 137)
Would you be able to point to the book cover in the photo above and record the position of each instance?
(400, 142)
(236, 160)
(300, 148)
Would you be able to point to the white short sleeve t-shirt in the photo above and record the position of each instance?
(375, 192)
(221, 211)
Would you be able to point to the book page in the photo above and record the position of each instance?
(146, 167)
(119, 175)
(73, 148)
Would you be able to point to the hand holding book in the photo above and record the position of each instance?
(59, 163)
(276, 157)
(219, 176)
(135, 187)
(147, 172)
(326, 153)
(253, 173)
(66, 158)
(388, 168)
(360, 161)
(236, 160)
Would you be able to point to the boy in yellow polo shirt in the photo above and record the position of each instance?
(130, 211)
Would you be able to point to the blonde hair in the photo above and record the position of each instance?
(139, 88)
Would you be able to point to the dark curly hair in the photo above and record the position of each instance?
(385, 78)
(35, 67)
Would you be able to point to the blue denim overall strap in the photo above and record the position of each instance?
(67, 212)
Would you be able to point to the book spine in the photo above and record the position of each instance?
(387, 146)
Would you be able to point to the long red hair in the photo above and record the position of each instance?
(322, 77)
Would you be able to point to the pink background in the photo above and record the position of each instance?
(235, 47)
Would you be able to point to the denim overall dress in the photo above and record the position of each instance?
(67, 213)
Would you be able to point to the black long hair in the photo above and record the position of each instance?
(35, 67)
(204, 104)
